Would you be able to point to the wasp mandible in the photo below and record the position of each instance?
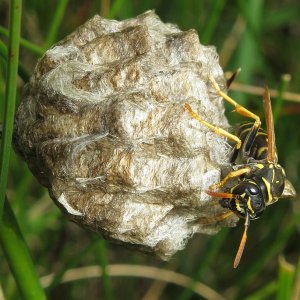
(261, 181)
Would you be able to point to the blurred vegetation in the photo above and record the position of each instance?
(261, 37)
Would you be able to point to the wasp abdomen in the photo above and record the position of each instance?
(258, 148)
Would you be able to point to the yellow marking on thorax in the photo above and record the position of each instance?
(271, 166)
(270, 197)
(261, 150)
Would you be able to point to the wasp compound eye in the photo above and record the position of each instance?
(257, 204)
(102, 126)
(253, 190)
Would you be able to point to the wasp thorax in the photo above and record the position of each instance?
(102, 126)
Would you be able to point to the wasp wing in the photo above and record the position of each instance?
(272, 157)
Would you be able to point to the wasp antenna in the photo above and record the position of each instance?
(242, 243)
(219, 194)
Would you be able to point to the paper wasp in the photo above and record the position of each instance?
(257, 180)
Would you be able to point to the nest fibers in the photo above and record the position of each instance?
(102, 126)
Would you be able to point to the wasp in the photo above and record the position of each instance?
(256, 180)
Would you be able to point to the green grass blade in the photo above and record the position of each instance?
(3, 50)
(21, 69)
(10, 95)
(296, 288)
(70, 263)
(285, 279)
(212, 251)
(115, 7)
(56, 23)
(101, 245)
(18, 257)
(285, 80)
(280, 17)
(265, 292)
(24, 43)
(273, 248)
(212, 21)
(248, 54)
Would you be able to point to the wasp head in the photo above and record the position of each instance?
(248, 199)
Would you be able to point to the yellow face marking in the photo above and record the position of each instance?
(238, 207)
(260, 166)
(268, 189)
(237, 203)
(249, 205)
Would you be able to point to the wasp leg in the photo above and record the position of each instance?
(229, 176)
(216, 129)
(238, 108)
(218, 218)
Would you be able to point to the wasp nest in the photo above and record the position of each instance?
(102, 126)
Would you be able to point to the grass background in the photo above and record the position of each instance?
(261, 37)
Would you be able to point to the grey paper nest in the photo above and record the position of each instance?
(102, 126)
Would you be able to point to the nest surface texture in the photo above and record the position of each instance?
(102, 126)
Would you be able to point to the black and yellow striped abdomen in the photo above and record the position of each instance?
(259, 148)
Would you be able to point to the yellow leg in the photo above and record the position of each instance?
(238, 108)
(214, 219)
(231, 175)
(216, 129)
